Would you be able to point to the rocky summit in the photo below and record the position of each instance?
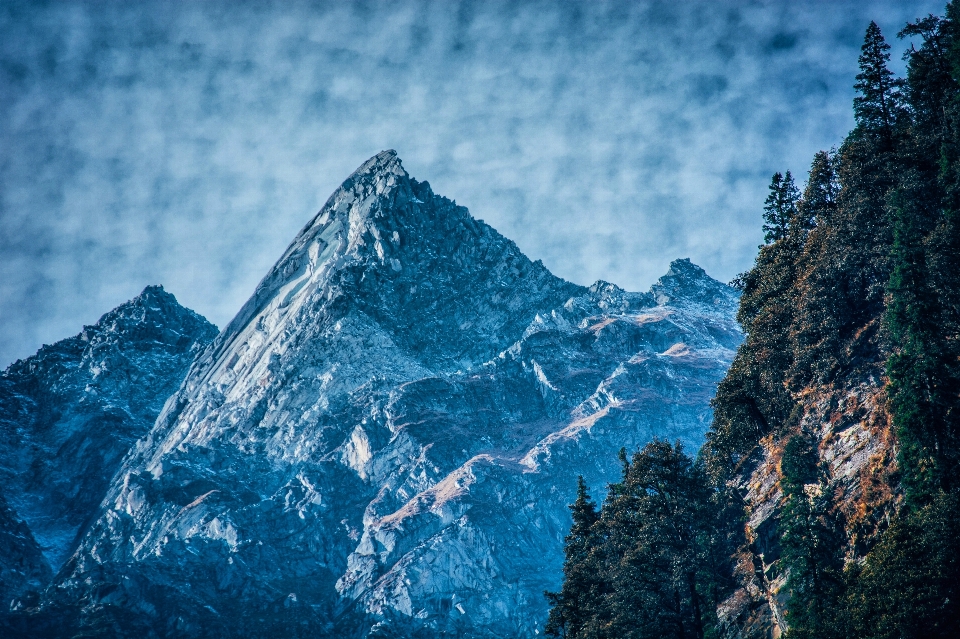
(68, 415)
(385, 440)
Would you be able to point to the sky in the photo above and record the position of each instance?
(186, 143)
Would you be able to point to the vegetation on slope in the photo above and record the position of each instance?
(859, 279)
(653, 561)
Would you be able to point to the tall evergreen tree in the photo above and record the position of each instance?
(583, 590)
(929, 83)
(878, 104)
(811, 543)
(819, 201)
(922, 307)
(780, 207)
(658, 562)
(656, 518)
(752, 399)
(814, 326)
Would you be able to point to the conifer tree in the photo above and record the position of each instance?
(819, 199)
(814, 325)
(922, 307)
(752, 400)
(929, 84)
(583, 589)
(657, 517)
(878, 103)
(810, 542)
(657, 561)
(780, 207)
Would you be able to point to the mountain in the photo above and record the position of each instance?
(69, 414)
(385, 439)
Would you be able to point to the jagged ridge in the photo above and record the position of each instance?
(387, 435)
(71, 412)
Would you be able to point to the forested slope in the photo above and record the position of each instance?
(832, 472)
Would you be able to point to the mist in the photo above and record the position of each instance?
(186, 144)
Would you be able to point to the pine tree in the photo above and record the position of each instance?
(810, 542)
(656, 563)
(752, 400)
(814, 326)
(581, 595)
(819, 200)
(929, 84)
(780, 207)
(653, 516)
(877, 105)
(923, 305)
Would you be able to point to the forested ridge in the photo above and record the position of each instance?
(852, 317)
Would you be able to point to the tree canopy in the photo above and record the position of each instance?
(858, 282)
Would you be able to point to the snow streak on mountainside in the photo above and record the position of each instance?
(384, 440)
(69, 414)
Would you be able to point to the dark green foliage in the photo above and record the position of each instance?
(812, 302)
(929, 83)
(780, 207)
(810, 543)
(878, 105)
(583, 587)
(921, 392)
(843, 270)
(656, 561)
(922, 303)
(909, 587)
(844, 264)
(752, 400)
(866, 280)
(815, 326)
(910, 583)
(799, 464)
(819, 202)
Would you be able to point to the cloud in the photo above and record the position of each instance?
(185, 144)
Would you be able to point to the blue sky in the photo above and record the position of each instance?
(185, 144)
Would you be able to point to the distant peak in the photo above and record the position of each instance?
(687, 281)
(151, 295)
(151, 291)
(683, 267)
(153, 302)
(603, 286)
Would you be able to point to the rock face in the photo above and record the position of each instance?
(385, 439)
(470, 549)
(24, 571)
(69, 414)
(851, 426)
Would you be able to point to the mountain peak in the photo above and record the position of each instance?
(70, 412)
(152, 292)
(687, 282)
(446, 287)
(383, 163)
(388, 434)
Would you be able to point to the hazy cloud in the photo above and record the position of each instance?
(185, 144)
